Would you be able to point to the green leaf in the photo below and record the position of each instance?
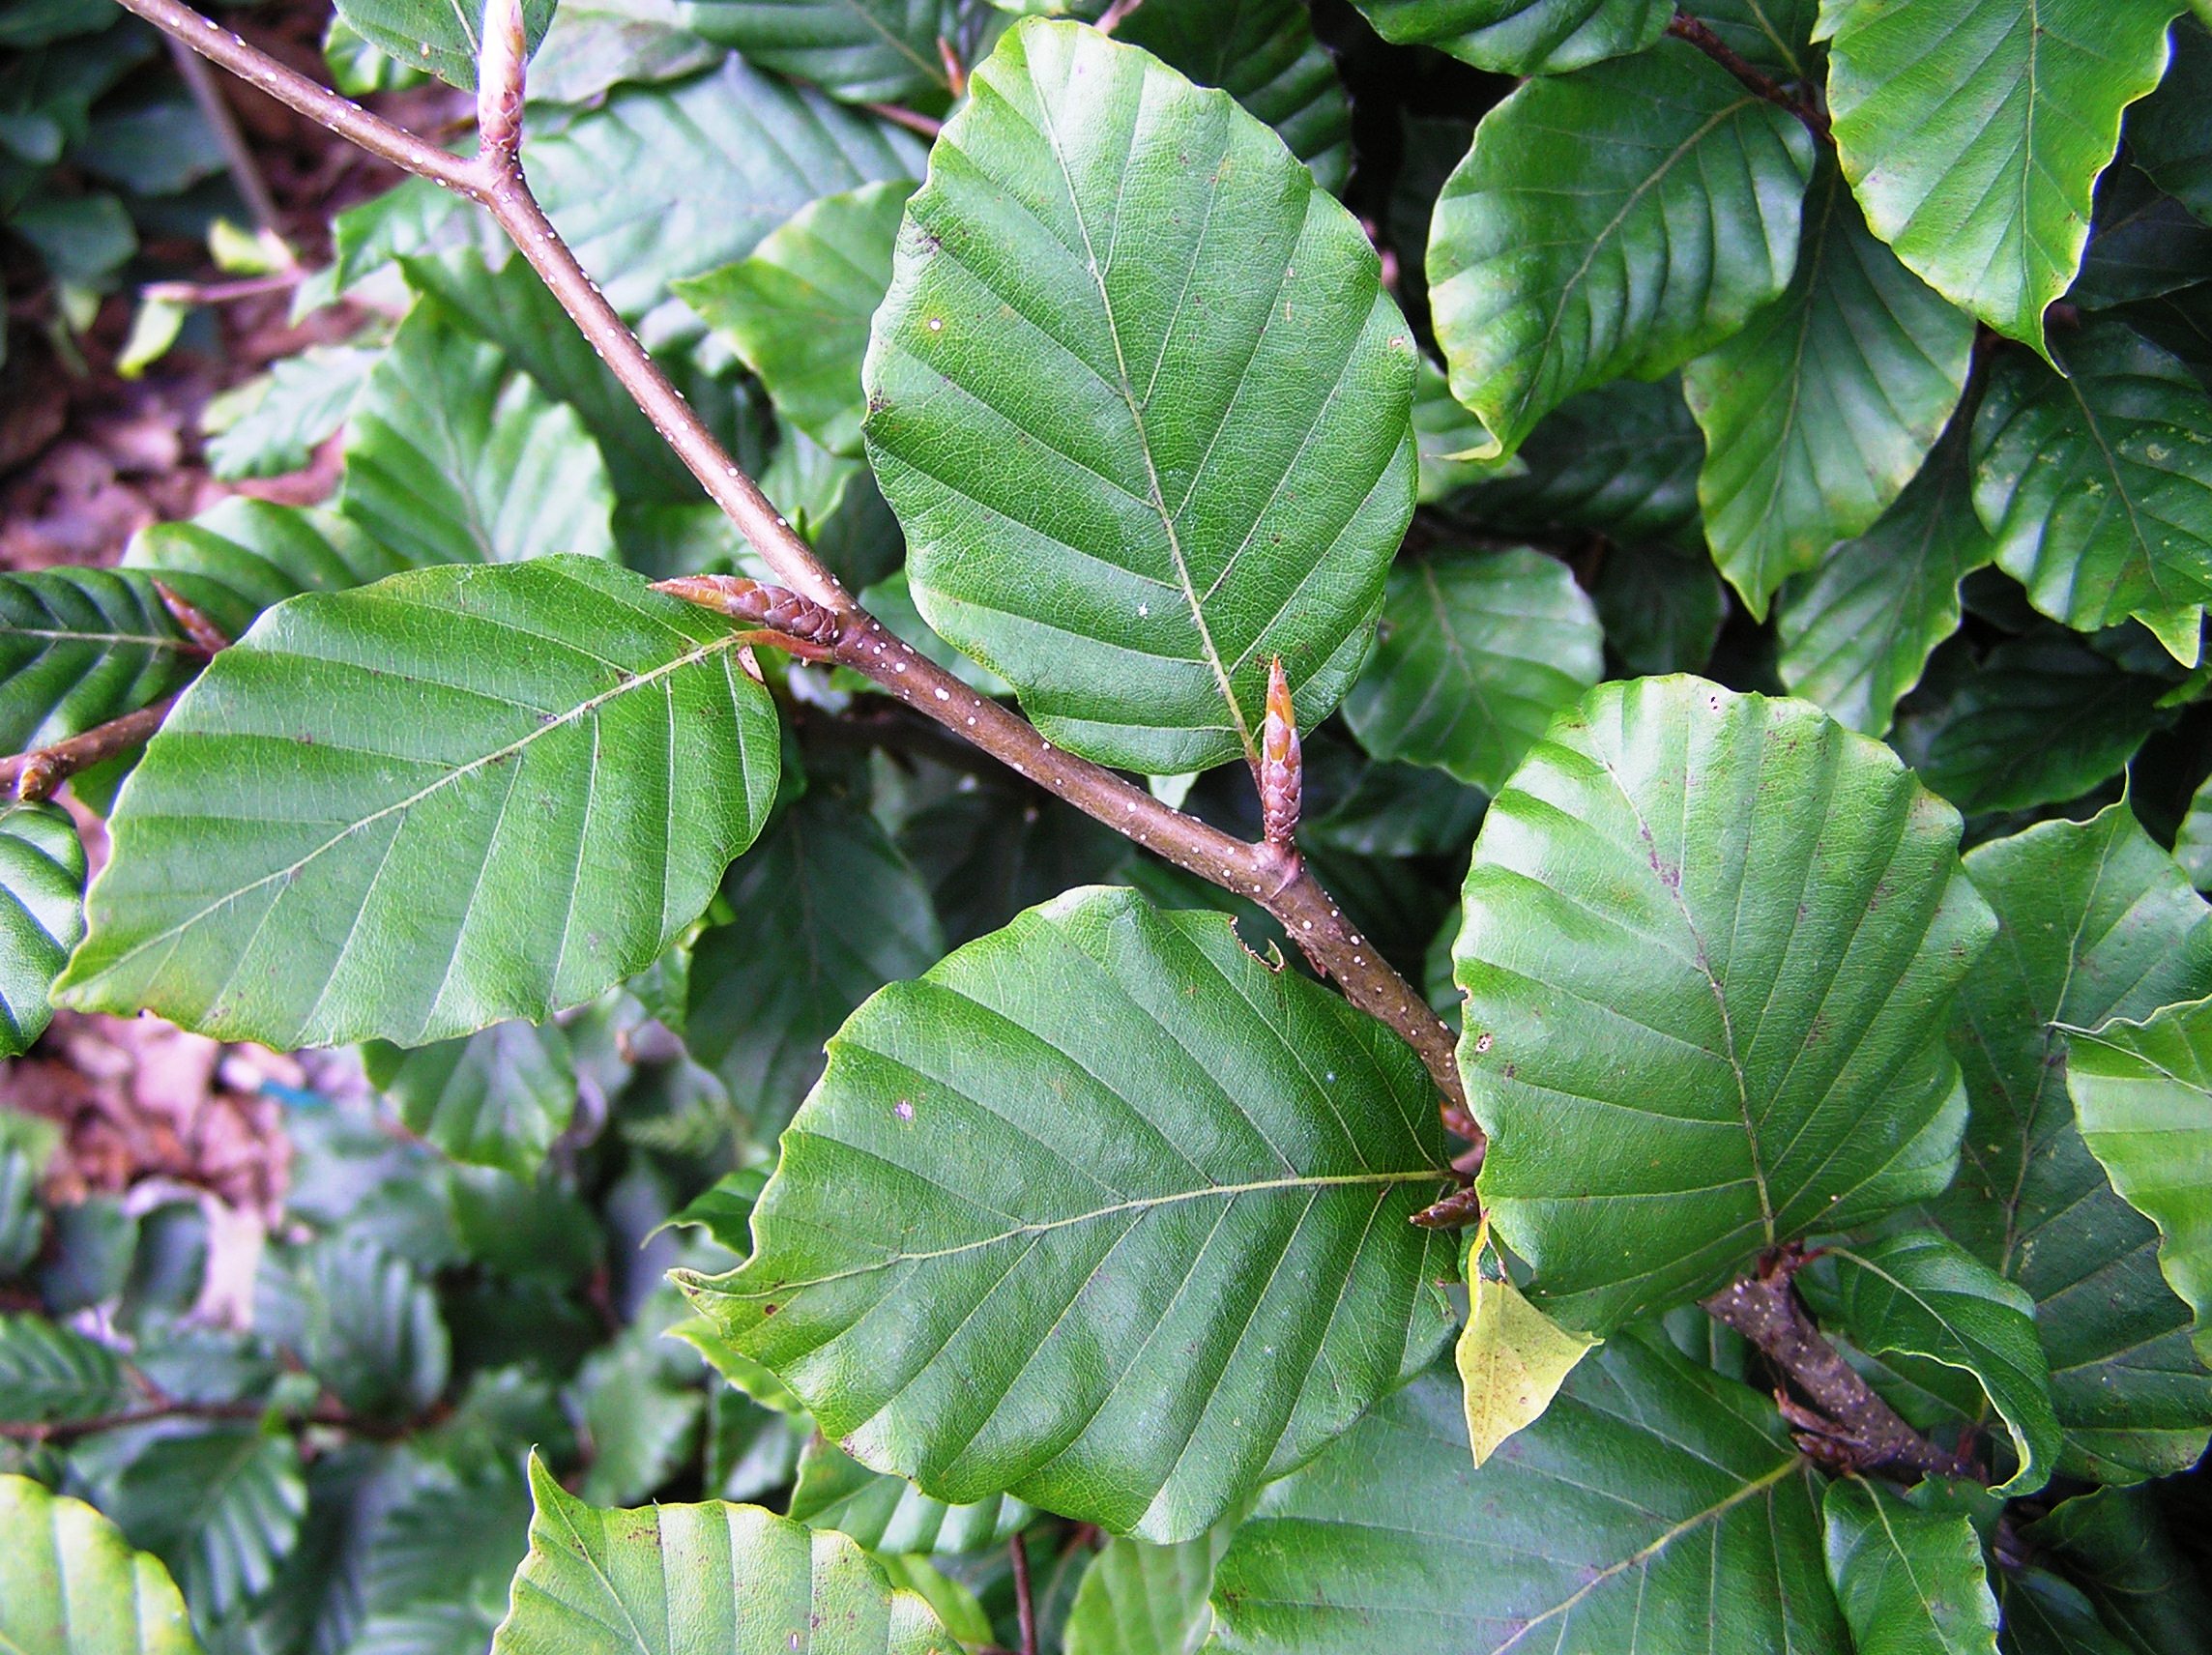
(1512, 1360)
(1973, 132)
(273, 424)
(994, 851)
(2045, 719)
(1858, 635)
(1910, 1581)
(2044, 1614)
(706, 167)
(1477, 653)
(2143, 1094)
(1144, 1599)
(827, 912)
(1088, 414)
(889, 1514)
(1653, 1498)
(2142, 243)
(796, 311)
(595, 46)
(724, 1210)
(2092, 483)
(1617, 220)
(864, 51)
(1662, 609)
(2114, 1544)
(70, 1584)
(41, 916)
(2094, 921)
(2167, 133)
(1708, 941)
(1444, 431)
(1098, 1082)
(637, 1425)
(701, 1580)
(221, 1507)
(2193, 842)
(453, 456)
(1623, 459)
(364, 1322)
(384, 733)
(79, 647)
(49, 1373)
(497, 1098)
(1522, 37)
(1820, 412)
(440, 36)
(243, 556)
(1262, 53)
(439, 1565)
(1918, 1294)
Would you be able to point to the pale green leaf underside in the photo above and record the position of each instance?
(889, 1514)
(1910, 1582)
(1615, 222)
(79, 647)
(1141, 404)
(461, 795)
(1655, 1506)
(1708, 941)
(1522, 37)
(2143, 1093)
(221, 1508)
(1479, 651)
(1819, 413)
(1100, 1212)
(70, 1584)
(42, 914)
(1144, 1599)
(1973, 132)
(2094, 921)
(496, 1098)
(701, 1580)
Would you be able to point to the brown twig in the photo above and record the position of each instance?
(1273, 874)
(236, 157)
(33, 776)
(1111, 18)
(324, 1413)
(1853, 1426)
(222, 292)
(913, 120)
(1696, 33)
(1025, 1603)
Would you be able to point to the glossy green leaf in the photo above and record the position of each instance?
(827, 912)
(1708, 941)
(2118, 1548)
(1858, 635)
(1262, 53)
(319, 845)
(1917, 1295)
(1522, 37)
(242, 556)
(1655, 1506)
(889, 1514)
(79, 647)
(496, 1098)
(49, 1373)
(1477, 653)
(221, 1507)
(1444, 432)
(705, 167)
(440, 36)
(1819, 413)
(453, 456)
(701, 1580)
(796, 311)
(1144, 1599)
(1973, 132)
(70, 1584)
(2094, 485)
(2094, 921)
(1098, 1082)
(1661, 609)
(1617, 220)
(273, 424)
(1623, 459)
(1910, 1582)
(41, 916)
(2142, 1095)
(861, 50)
(1088, 413)
(2044, 719)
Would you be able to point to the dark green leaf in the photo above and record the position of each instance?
(41, 916)
(1621, 459)
(636, 1425)
(2044, 1614)
(1617, 220)
(497, 1098)
(2142, 244)
(221, 1507)
(1709, 939)
(49, 1373)
(2045, 719)
(1089, 416)
(440, 36)
(2170, 132)
(991, 851)
(385, 730)
(1522, 37)
(2114, 1545)
(1097, 1081)
(861, 50)
(1910, 1582)
(724, 1210)
(363, 1321)
(70, 1584)
(1662, 609)
(889, 1514)
(437, 1574)
(79, 647)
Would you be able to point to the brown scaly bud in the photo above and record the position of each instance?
(1456, 1211)
(772, 609)
(1282, 773)
(205, 635)
(498, 79)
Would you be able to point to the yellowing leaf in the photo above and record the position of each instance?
(1512, 1360)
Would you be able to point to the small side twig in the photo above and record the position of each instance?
(33, 776)
(1696, 32)
(222, 292)
(236, 157)
(913, 120)
(1111, 18)
(1024, 1602)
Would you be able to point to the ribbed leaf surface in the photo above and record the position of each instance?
(70, 1584)
(463, 795)
(243, 556)
(79, 647)
(41, 916)
(49, 1373)
(1144, 1599)
(861, 50)
(440, 36)
(221, 1507)
(889, 1514)
(1522, 37)
(1123, 329)
(1910, 1582)
(1101, 1212)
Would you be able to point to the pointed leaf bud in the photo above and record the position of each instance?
(774, 608)
(205, 636)
(1282, 776)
